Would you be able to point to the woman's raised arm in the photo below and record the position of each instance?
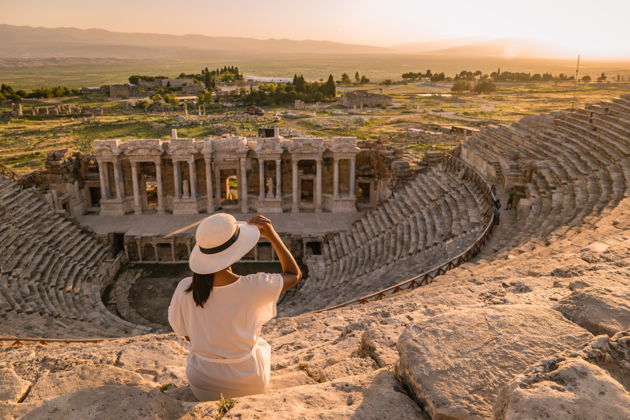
(291, 273)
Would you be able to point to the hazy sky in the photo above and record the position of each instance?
(592, 27)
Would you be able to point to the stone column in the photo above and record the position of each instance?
(243, 185)
(137, 208)
(261, 181)
(318, 185)
(217, 177)
(278, 179)
(335, 178)
(120, 188)
(351, 176)
(192, 169)
(294, 179)
(177, 180)
(209, 200)
(102, 180)
(160, 188)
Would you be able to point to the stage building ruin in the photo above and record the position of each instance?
(187, 176)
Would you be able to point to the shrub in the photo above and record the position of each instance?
(485, 85)
(460, 86)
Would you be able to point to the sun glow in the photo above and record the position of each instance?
(567, 27)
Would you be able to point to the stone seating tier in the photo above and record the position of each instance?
(51, 268)
(432, 217)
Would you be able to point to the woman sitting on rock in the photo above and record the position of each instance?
(221, 313)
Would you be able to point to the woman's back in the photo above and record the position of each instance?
(228, 324)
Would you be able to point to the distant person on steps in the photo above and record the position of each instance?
(496, 213)
(510, 201)
(221, 313)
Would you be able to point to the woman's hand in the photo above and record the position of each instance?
(264, 225)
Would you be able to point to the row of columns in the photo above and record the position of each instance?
(119, 185)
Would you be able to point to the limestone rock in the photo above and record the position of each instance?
(12, 387)
(289, 380)
(373, 396)
(611, 354)
(101, 402)
(563, 389)
(378, 345)
(457, 362)
(52, 385)
(599, 310)
(590, 383)
(163, 361)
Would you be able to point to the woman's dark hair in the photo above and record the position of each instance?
(201, 287)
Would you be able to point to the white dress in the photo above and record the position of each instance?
(227, 355)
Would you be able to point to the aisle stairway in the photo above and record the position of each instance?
(581, 168)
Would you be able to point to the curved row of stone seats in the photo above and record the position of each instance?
(579, 160)
(50, 268)
(431, 219)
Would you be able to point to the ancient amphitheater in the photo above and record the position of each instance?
(415, 306)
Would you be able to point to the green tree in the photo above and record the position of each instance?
(143, 104)
(345, 79)
(485, 85)
(204, 98)
(171, 99)
(364, 80)
(357, 77)
(602, 77)
(330, 88)
(586, 79)
(207, 80)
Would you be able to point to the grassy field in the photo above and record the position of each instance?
(78, 73)
(25, 141)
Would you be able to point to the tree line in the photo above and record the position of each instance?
(358, 79)
(7, 93)
(210, 78)
(287, 93)
(499, 76)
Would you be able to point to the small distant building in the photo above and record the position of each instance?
(193, 89)
(91, 91)
(461, 130)
(150, 84)
(121, 91)
(176, 83)
(363, 98)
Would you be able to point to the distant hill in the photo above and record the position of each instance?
(30, 42)
(433, 45)
(27, 42)
(504, 48)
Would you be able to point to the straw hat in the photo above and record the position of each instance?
(221, 241)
